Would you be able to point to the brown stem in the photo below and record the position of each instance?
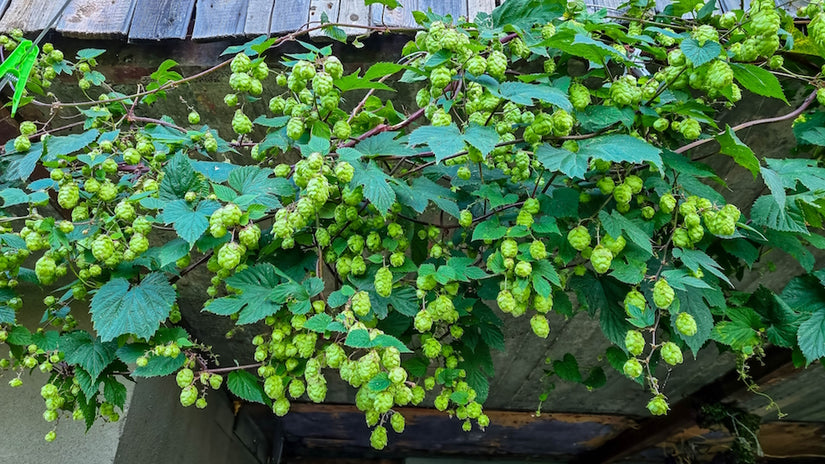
(793, 114)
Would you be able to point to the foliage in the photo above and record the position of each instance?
(549, 167)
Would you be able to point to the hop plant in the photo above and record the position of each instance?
(383, 282)
(663, 294)
(632, 368)
(671, 353)
(658, 405)
(686, 324)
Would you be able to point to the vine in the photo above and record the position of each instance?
(549, 168)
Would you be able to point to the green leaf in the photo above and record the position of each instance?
(568, 368)
(694, 259)
(758, 80)
(692, 302)
(700, 54)
(641, 318)
(775, 184)
(353, 82)
(93, 355)
(792, 171)
(525, 94)
(68, 144)
(245, 386)
(119, 308)
(595, 378)
(179, 177)
(782, 322)
(376, 185)
(359, 338)
(706, 10)
(379, 383)
(443, 141)
(484, 138)
(89, 53)
(250, 47)
(156, 367)
(615, 224)
(188, 223)
(388, 3)
(620, 148)
(560, 160)
(384, 143)
(383, 68)
(491, 229)
(598, 117)
(254, 181)
(114, 392)
(811, 336)
(21, 165)
(13, 196)
(318, 323)
(742, 155)
(785, 218)
(173, 251)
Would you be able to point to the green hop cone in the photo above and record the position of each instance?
(634, 298)
(634, 341)
(383, 282)
(341, 129)
(538, 250)
(188, 396)
(229, 256)
(22, 143)
(397, 422)
(671, 353)
(378, 437)
(509, 248)
(103, 247)
(600, 259)
(540, 325)
(506, 301)
(658, 406)
(185, 377)
(361, 304)
(241, 123)
(579, 96)
(623, 193)
(632, 368)
(497, 64)
(663, 294)
(579, 238)
(69, 195)
(194, 118)
(45, 270)
(667, 203)
(686, 324)
(333, 67)
(27, 128)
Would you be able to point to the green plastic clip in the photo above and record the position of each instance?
(20, 64)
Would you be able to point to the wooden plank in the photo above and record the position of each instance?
(97, 18)
(317, 8)
(431, 432)
(29, 15)
(219, 18)
(397, 17)
(354, 12)
(475, 7)
(289, 15)
(455, 8)
(161, 19)
(258, 15)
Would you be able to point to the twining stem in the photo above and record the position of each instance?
(792, 115)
